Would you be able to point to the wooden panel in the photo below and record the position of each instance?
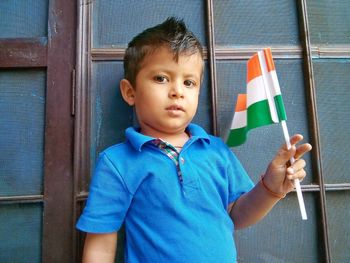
(22, 111)
(58, 226)
(21, 53)
(20, 233)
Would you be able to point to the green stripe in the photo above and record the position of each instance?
(259, 114)
(237, 137)
(281, 111)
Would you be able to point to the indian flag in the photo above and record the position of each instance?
(263, 103)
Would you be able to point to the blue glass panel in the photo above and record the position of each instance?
(338, 214)
(20, 233)
(203, 116)
(111, 115)
(23, 19)
(263, 142)
(22, 111)
(329, 21)
(243, 22)
(282, 236)
(115, 23)
(332, 80)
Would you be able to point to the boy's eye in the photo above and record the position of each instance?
(160, 79)
(189, 83)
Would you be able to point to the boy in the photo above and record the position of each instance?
(177, 189)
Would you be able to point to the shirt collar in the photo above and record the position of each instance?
(137, 139)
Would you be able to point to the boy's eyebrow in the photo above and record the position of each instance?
(170, 71)
(193, 76)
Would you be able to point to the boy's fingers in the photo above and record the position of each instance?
(298, 165)
(301, 174)
(283, 156)
(295, 139)
(302, 149)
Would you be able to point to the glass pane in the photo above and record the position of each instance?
(111, 115)
(263, 142)
(20, 233)
(332, 80)
(23, 19)
(329, 21)
(338, 214)
(282, 236)
(242, 22)
(203, 116)
(22, 111)
(112, 27)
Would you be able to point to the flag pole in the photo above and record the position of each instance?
(296, 181)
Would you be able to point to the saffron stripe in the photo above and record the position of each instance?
(241, 104)
(269, 60)
(254, 69)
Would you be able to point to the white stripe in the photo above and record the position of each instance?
(268, 86)
(273, 80)
(255, 91)
(239, 120)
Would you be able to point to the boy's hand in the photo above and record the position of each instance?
(280, 173)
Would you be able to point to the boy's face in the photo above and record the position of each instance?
(166, 92)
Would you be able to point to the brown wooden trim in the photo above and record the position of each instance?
(57, 241)
(331, 51)
(82, 116)
(244, 53)
(241, 53)
(21, 199)
(115, 54)
(314, 127)
(212, 63)
(337, 187)
(23, 52)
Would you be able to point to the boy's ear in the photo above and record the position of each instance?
(127, 91)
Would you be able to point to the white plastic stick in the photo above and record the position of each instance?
(296, 181)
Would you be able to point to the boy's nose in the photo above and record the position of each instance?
(177, 90)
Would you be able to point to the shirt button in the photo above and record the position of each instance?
(182, 160)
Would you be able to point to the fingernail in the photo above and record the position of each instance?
(290, 170)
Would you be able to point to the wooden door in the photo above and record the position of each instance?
(37, 57)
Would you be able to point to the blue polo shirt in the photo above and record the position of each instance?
(167, 219)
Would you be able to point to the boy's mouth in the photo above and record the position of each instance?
(175, 108)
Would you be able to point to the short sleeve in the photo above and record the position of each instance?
(108, 201)
(239, 181)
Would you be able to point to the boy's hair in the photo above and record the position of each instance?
(172, 33)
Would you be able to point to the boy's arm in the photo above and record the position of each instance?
(100, 248)
(254, 205)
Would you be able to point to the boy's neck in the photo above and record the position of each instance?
(175, 139)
